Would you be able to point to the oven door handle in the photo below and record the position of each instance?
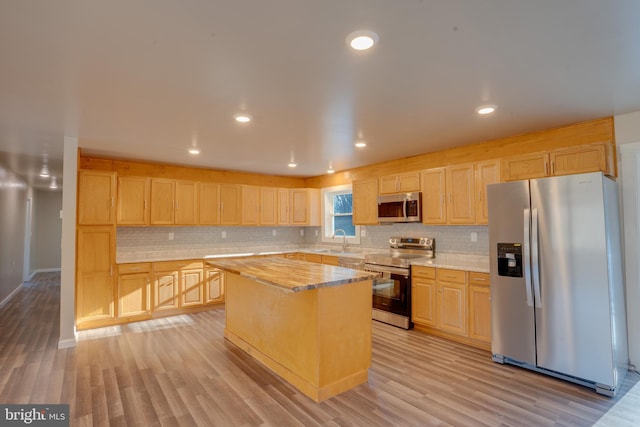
(386, 269)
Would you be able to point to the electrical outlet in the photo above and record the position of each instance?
(224, 234)
(302, 231)
(474, 236)
(363, 232)
(316, 233)
(170, 236)
(273, 233)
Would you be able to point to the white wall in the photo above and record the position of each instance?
(48, 230)
(13, 202)
(627, 129)
(68, 263)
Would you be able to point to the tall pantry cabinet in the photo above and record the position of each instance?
(95, 269)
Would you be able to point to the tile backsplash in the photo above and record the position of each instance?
(452, 239)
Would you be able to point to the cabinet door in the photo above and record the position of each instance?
(305, 206)
(134, 295)
(525, 167)
(162, 201)
(365, 202)
(209, 205)
(186, 205)
(479, 313)
(423, 301)
(452, 307)
(250, 201)
(409, 182)
(133, 201)
(486, 173)
(165, 290)
(213, 286)
(461, 207)
(590, 158)
(96, 197)
(230, 205)
(283, 206)
(191, 287)
(268, 206)
(433, 196)
(95, 282)
(388, 184)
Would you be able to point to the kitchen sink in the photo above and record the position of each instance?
(337, 251)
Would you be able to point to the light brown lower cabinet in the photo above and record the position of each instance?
(479, 307)
(213, 285)
(454, 304)
(134, 291)
(191, 285)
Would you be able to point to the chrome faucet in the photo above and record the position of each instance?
(344, 238)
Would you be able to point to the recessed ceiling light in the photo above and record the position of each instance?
(292, 164)
(194, 151)
(242, 118)
(330, 169)
(44, 172)
(362, 40)
(54, 184)
(485, 109)
(360, 144)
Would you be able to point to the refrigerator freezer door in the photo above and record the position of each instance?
(573, 325)
(512, 313)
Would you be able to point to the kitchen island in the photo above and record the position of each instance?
(309, 323)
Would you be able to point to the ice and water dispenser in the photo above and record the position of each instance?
(510, 259)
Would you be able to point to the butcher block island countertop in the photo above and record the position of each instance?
(309, 323)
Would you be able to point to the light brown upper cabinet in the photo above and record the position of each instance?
(174, 202)
(305, 206)
(96, 197)
(588, 158)
(250, 203)
(209, 205)
(186, 203)
(268, 206)
(365, 201)
(565, 161)
(163, 193)
(486, 173)
(434, 208)
(461, 208)
(525, 167)
(230, 204)
(400, 183)
(283, 206)
(133, 200)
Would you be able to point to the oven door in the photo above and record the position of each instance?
(391, 291)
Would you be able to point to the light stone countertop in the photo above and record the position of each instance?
(467, 262)
(291, 275)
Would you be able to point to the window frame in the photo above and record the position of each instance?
(327, 215)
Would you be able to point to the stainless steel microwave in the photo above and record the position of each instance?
(400, 207)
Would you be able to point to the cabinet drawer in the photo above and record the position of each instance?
(177, 265)
(423, 272)
(452, 276)
(481, 279)
(136, 267)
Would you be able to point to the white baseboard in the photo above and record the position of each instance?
(6, 300)
(68, 343)
(47, 270)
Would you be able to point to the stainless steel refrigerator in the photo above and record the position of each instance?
(557, 295)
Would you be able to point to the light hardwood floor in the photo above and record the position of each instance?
(181, 371)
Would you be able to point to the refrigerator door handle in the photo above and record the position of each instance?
(527, 256)
(534, 258)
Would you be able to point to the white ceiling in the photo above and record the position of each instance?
(146, 79)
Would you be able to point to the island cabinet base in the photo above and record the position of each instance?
(318, 340)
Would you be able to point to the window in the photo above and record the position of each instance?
(338, 215)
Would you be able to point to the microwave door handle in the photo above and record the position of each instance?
(404, 208)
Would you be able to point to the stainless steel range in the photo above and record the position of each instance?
(392, 290)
